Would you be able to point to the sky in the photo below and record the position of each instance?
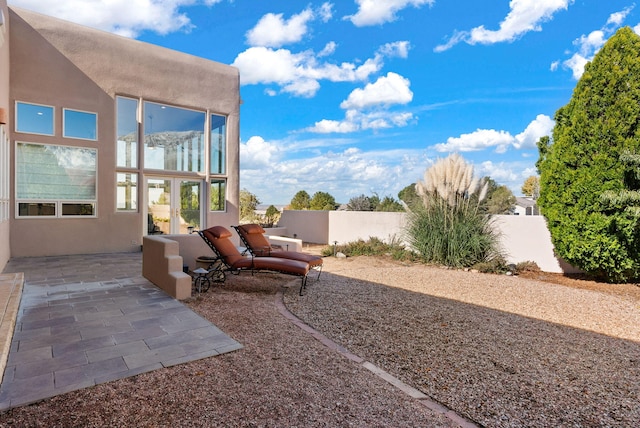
(355, 97)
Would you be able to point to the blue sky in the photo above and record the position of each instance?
(354, 97)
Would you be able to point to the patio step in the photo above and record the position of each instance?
(10, 293)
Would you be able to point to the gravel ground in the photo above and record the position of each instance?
(502, 351)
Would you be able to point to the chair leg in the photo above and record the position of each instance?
(303, 284)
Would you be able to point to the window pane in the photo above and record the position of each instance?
(127, 192)
(218, 143)
(34, 118)
(80, 124)
(78, 209)
(127, 129)
(36, 209)
(218, 195)
(55, 172)
(173, 138)
(190, 205)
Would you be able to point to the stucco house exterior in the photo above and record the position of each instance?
(105, 139)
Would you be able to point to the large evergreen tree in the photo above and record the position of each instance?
(581, 169)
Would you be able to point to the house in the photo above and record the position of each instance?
(105, 139)
(526, 206)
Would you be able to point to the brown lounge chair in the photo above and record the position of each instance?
(217, 238)
(252, 236)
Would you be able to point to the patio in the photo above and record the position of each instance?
(89, 319)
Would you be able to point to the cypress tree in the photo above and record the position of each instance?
(588, 173)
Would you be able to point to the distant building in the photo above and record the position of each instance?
(104, 139)
(526, 206)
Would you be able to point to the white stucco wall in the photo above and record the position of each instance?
(522, 238)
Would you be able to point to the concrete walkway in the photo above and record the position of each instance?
(89, 319)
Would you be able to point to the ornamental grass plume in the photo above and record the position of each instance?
(451, 179)
(449, 229)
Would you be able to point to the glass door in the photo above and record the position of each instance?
(173, 205)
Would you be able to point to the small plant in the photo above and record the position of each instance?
(495, 265)
(372, 247)
(527, 266)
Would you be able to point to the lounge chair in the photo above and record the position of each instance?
(252, 236)
(217, 238)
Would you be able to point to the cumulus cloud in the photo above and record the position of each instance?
(375, 12)
(387, 90)
(257, 153)
(124, 17)
(385, 172)
(299, 73)
(524, 16)
(482, 139)
(368, 108)
(274, 31)
(587, 46)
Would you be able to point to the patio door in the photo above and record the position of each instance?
(173, 205)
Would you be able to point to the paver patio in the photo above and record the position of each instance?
(89, 319)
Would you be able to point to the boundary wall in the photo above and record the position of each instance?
(522, 238)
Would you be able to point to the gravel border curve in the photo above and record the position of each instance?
(501, 351)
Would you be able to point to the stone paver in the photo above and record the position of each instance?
(90, 319)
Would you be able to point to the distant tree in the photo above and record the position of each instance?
(531, 187)
(272, 215)
(409, 196)
(300, 201)
(322, 201)
(248, 204)
(582, 170)
(360, 203)
(389, 204)
(501, 201)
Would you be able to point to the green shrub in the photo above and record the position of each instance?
(495, 265)
(527, 266)
(583, 171)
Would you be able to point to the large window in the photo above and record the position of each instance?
(218, 144)
(173, 138)
(55, 180)
(34, 118)
(80, 124)
(127, 131)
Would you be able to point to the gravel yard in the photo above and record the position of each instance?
(501, 351)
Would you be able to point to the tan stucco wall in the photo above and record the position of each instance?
(5, 252)
(62, 64)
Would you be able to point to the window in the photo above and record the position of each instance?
(34, 118)
(218, 194)
(218, 144)
(127, 191)
(80, 124)
(55, 180)
(173, 138)
(127, 132)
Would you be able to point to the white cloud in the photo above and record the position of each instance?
(374, 12)
(257, 153)
(356, 121)
(326, 126)
(482, 139)
(328, 49)
(273, 31)
(554, 65)
(540, 127)
(524, 16)
(396, 49)
(124, 17)
(385, 172)
(326, 11)
(299, 73)
(589, 45)
(387, 90)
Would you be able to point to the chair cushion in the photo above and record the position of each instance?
(251, 228)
